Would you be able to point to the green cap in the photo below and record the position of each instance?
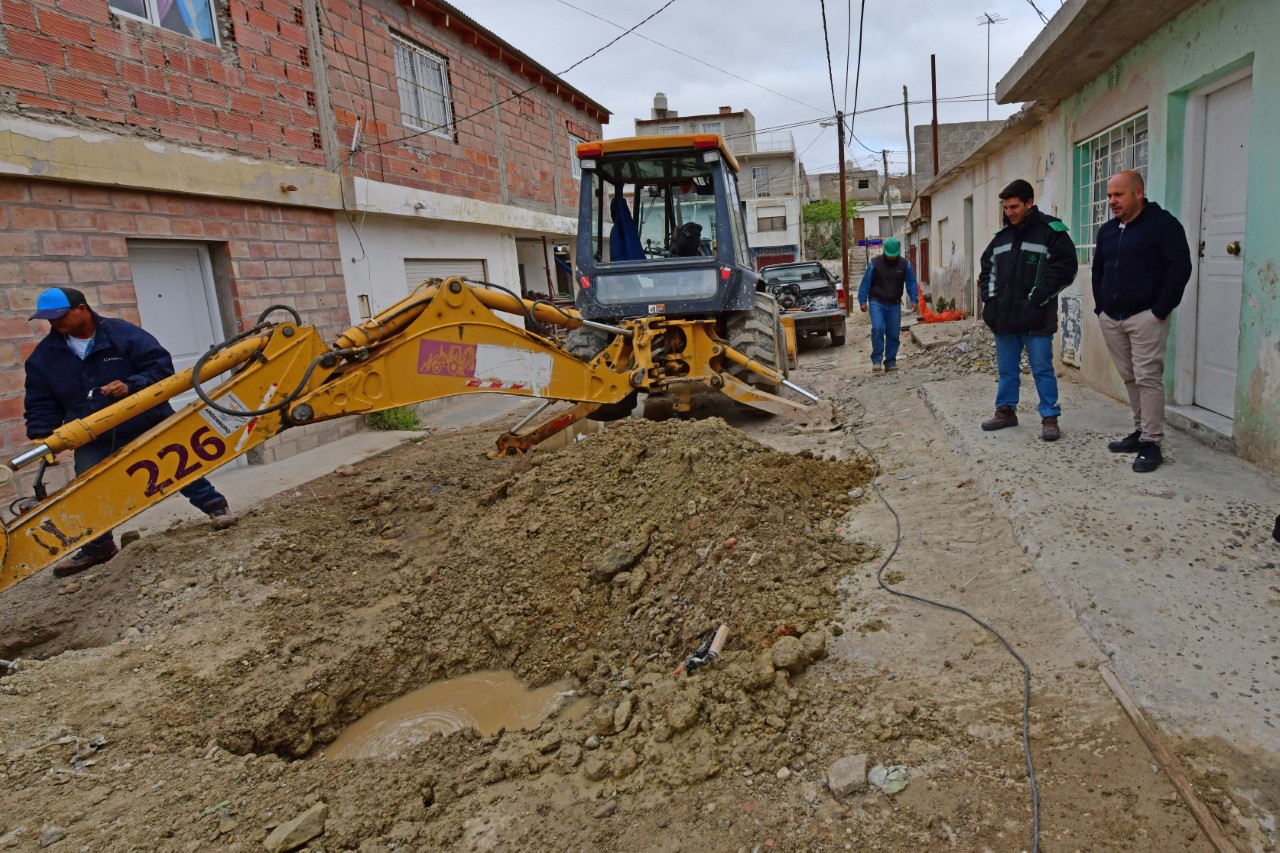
(892, 247)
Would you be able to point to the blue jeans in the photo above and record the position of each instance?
(201, 493)
(1008, 365)
(886, 324)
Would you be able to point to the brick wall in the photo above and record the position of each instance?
(252, 95)
(58, 233)
(533, 127)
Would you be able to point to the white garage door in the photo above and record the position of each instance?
(418, 269)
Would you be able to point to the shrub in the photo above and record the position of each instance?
(402, 418)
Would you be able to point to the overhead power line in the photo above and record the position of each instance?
(835, 105)
(521, 93)
(690, 56)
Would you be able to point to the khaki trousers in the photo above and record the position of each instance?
(1137, 346)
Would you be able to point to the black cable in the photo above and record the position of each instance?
(835, 105)
(1026, 670)
(690, 56)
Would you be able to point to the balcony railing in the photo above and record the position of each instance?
(773, 142)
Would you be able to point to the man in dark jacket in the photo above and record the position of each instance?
(1028, 263)
(1141, 266)
(86, 363)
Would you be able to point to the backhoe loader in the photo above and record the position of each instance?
(684, 313)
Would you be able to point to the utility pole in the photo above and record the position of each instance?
(844, 219)
(988, 20)
(888, 199)
(906, 120)
(933, 74)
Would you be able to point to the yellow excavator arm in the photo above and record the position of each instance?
(442, 340)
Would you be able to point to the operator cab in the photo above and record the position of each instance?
(661, 230)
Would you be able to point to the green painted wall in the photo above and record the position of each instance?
(1206, 43)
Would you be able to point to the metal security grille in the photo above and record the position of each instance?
(423, 81)
(417, 270)
(1115, 149)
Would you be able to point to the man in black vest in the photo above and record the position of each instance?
(880, 294)
(1028, 263)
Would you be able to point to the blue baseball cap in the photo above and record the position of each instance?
(56, 301)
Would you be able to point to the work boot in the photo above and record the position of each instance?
(890, 367)
(876, 368)
(1128, 444)
(222, 517)
(1005, 416)
(1049, 429)
(86, 558)
(1148, 458)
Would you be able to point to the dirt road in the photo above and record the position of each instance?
(217, 667)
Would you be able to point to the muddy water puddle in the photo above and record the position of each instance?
(487, 701)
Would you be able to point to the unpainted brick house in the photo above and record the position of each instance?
(189, 163)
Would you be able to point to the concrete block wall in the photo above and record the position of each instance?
(518, 153)
(954, 141)
(253, 94)
(300, 439)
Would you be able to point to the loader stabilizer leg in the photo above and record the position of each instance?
(818, 417)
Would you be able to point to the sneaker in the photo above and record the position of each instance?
(1148, 458)
(1049, 429)
(222, 517)
(86, 558)
(877, 368)
(1128, 444)
(1005, 416)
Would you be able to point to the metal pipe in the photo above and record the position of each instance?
(794, 387)
(604, 327)
(524, 421)
(40, 450)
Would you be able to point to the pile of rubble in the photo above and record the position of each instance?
(970, 351)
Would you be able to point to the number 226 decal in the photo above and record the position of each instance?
(204, 444)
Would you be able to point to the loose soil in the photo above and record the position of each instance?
(218, 666)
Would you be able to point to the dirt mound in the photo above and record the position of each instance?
(606, 563)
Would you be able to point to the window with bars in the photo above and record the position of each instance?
(668, 129)
(423, 79)
(1114, 150)
(192, 18)
(713, 127)
(760, 181)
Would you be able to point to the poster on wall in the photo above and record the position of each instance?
(1072, 328)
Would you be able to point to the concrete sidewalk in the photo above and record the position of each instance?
(1172, 573)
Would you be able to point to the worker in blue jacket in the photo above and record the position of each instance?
(880, 295)
(86, 363)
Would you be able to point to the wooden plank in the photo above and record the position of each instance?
(1169, 764)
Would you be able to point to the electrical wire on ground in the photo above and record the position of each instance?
(1026, 670)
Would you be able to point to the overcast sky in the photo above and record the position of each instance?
(778, 45)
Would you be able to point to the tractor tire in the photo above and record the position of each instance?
(758, 335)
(586, 343)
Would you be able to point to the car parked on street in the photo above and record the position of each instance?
(814, 299)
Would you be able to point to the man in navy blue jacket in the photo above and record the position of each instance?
(1141, 266)
(86, 363)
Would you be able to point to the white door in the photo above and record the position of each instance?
(1226, 163)
(177, 302)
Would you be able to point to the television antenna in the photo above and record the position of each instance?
(989, 20)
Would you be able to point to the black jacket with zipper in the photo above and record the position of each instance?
(1023, 270)
(1141, 266)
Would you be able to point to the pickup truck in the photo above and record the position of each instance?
(813, 298)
